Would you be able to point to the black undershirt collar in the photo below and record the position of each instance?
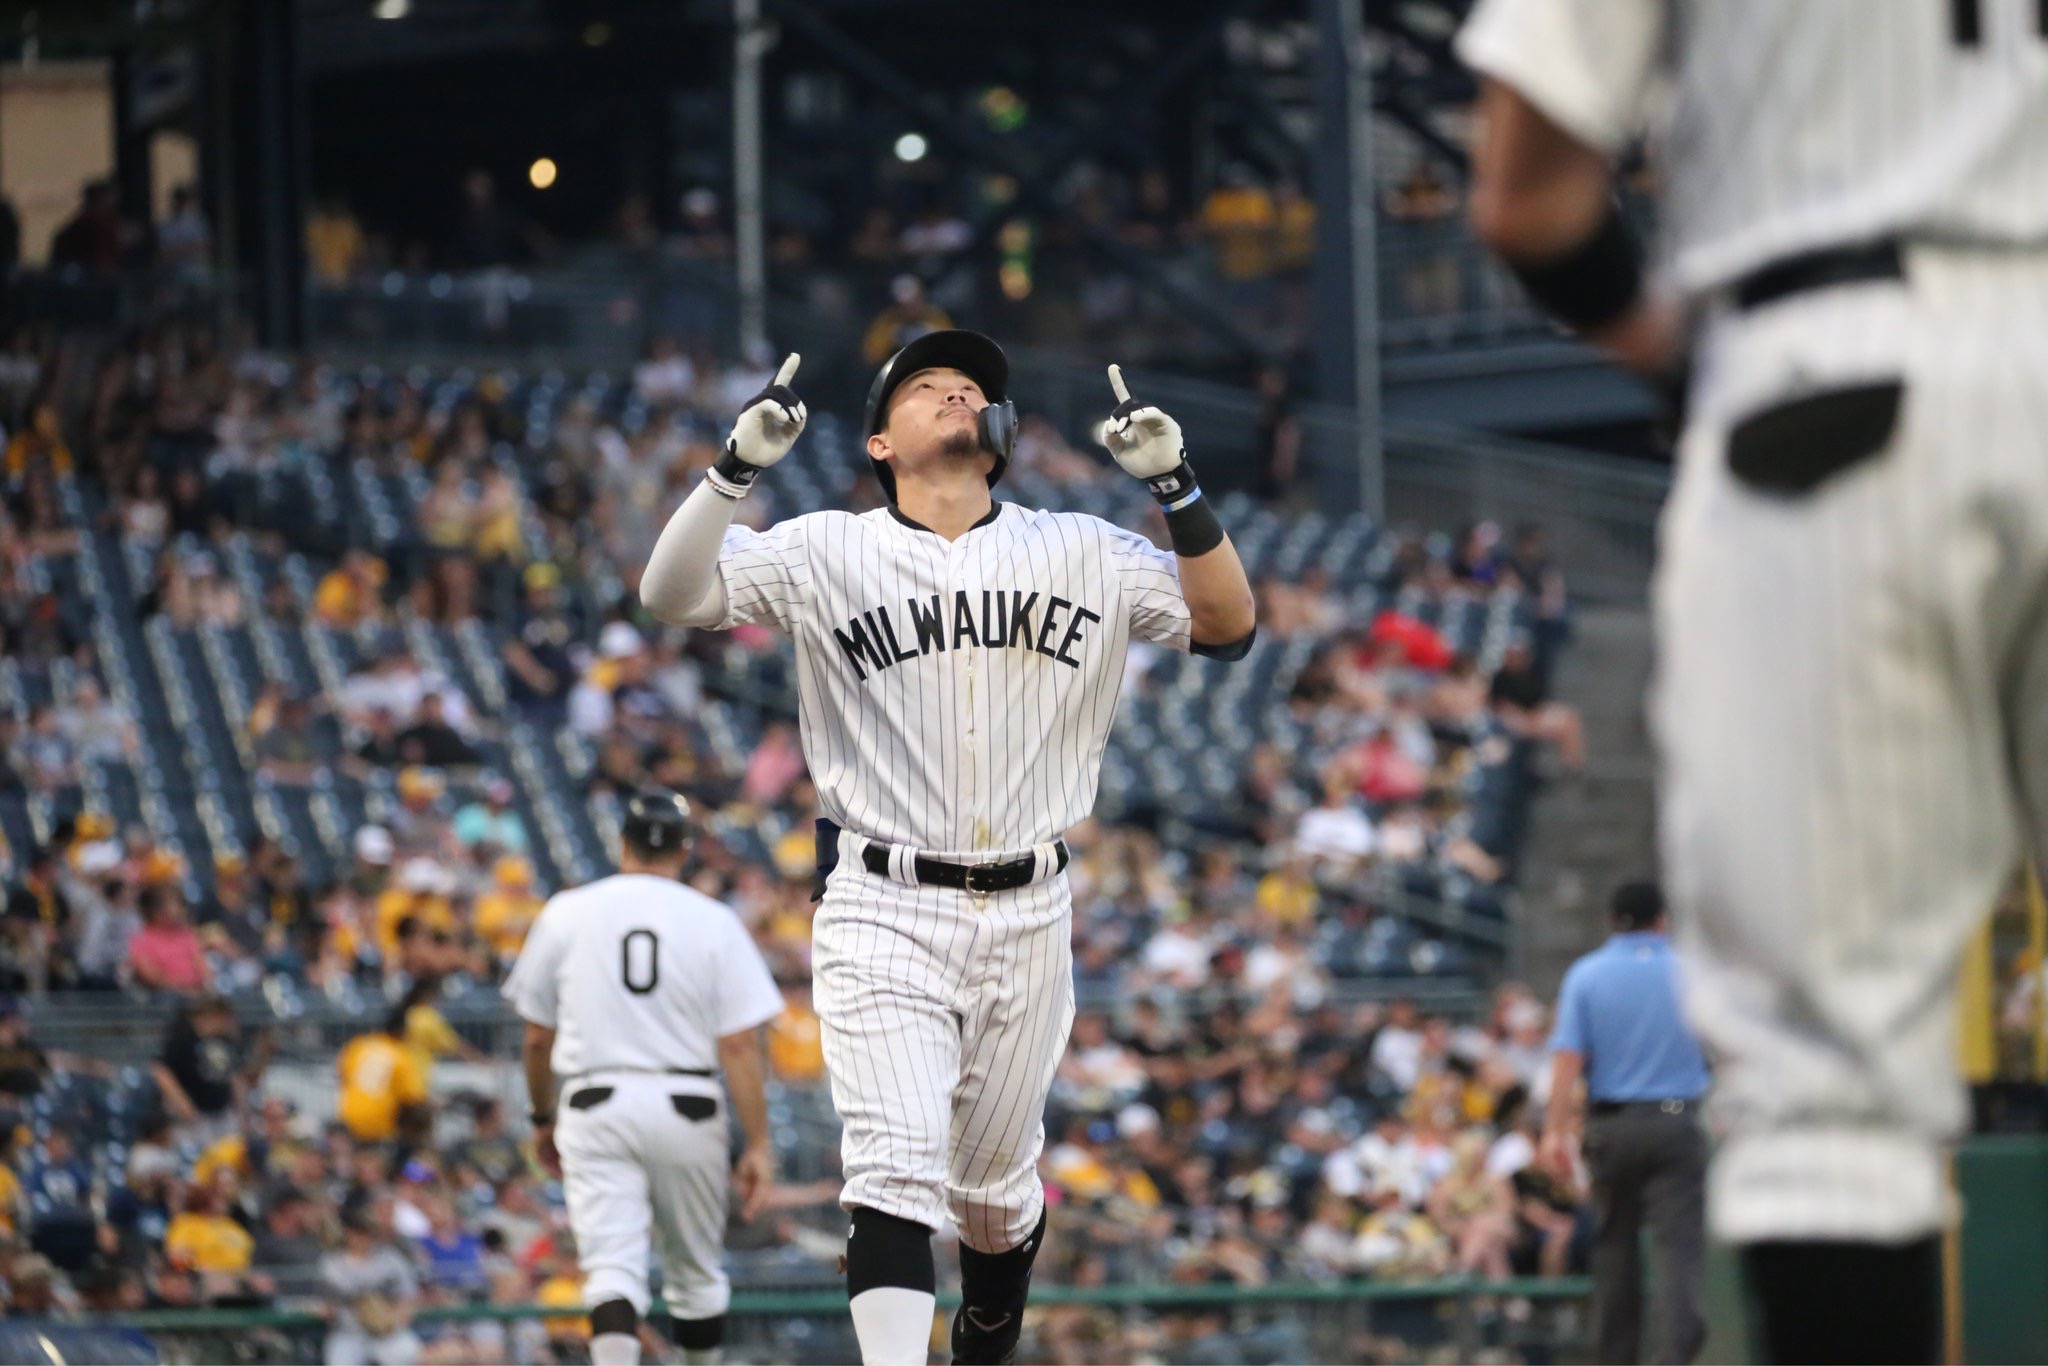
(995, 510)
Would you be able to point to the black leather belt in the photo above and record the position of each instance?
(965, 877)
(1673, 1106)
(1820, 270)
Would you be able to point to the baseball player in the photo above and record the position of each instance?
(637, 993)
(1850, 695)
(958, 663)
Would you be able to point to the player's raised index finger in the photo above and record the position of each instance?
(788, 370)
(1116, 383)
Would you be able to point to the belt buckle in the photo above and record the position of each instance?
(1673, 1107)
(975, 873)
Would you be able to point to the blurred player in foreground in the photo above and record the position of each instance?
(1851, 704)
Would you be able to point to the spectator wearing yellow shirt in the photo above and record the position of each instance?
(39, 445)
(506, 912)
(335, 244)
(1294, 228)
(229, 1154)
(1288, 895)
(1240, 218)
(352, 592)
(427, 1031)
(204, 1238)
(563, 1288)
(796, 1049)
(13, 1200)
(422, 896)
(383, 1091)
(497, 534)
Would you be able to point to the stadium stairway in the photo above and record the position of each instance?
(1594, 830)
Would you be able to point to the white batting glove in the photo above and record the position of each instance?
(1144, 440)
(767, 427)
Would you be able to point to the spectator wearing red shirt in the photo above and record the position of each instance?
(1388, 773)
(1420, 645)
(165, 954)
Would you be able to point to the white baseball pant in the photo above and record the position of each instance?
(944, 1017)
(642, 1165)
(1852, 710)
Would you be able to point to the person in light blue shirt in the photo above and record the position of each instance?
(492, 821)
(1621, 1030)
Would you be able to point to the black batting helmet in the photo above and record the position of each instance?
(974, 356)
(657, 821)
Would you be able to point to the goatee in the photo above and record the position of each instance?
(958, 444)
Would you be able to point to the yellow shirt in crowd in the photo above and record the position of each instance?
(208, 1242)
(10, 1200)
(504, 917)
(1287, 898)
(379, 1076)
(796, 1048)
(1241, 219)
(341, 601)
(562, 1290)
(395, 904)
(230, 1152)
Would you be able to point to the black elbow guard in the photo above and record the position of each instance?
(1230, 651)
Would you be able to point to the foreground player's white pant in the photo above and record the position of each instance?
(944, 1016)
(1852, 710)
(637, 1170)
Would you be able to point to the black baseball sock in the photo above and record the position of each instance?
(1825, 1302)
(993, 1288)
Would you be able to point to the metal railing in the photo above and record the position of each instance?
(1343, 1321)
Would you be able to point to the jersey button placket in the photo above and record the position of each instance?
(970, 738)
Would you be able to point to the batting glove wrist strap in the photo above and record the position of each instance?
(733, 475)
(1176, 488)
(1593, 283)
(1190, 520)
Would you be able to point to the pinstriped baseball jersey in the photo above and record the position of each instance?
(1796, 127)
(955, 696)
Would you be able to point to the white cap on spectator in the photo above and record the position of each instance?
(1136, 1119)
(619, 640)
(422, 875)
(150, 1159)
(101, 856)
(373, 845)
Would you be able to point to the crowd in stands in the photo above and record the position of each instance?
(1228, 1112)
(912, 254)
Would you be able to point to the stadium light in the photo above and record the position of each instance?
(911, 147)
(542, 173)
(392, 9)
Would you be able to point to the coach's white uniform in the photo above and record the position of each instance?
(955, 698)
(640, 977)
(1852, 690)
